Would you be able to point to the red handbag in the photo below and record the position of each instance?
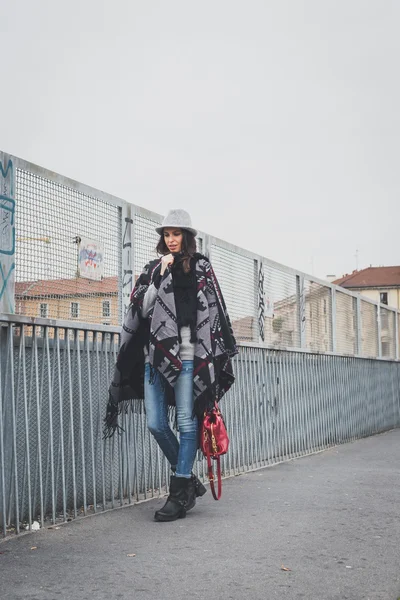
(214, 442)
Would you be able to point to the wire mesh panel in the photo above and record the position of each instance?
(318, 314)
(282, 306)
(145, 242)
(388, 340)
(51, 220)
(346, 324)
(369, 329)
(237, 277)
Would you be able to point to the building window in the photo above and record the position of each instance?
(43, 310)
(106, 308)
(383, 298)
(74, 310)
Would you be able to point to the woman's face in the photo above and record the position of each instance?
(173, 238)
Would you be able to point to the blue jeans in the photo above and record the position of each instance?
(180, 454)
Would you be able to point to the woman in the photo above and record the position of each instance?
(176, 349)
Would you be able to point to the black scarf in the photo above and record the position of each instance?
(185, 294)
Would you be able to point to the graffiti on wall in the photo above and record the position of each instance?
(261, 302)
(91, 259)
(7, 237)
(127, 281)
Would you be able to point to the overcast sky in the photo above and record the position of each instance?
(275, 123)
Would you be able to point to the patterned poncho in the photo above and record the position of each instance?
(215, 345)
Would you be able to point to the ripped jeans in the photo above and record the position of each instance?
(180, 454)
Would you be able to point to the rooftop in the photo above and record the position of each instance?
(371, 277)
(66, 287)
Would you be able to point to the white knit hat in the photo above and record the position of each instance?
(177, 217)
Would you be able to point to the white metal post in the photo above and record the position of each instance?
(301, 310)
(7, 234)
(333, 319)
(359, 327)
(378, 317)
(127, 274)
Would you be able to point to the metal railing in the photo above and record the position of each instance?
(275, 304)
(54, 377)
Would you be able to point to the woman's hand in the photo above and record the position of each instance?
(166, 261)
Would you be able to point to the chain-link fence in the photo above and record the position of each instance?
(78, 251)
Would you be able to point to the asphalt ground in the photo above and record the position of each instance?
(321, 527)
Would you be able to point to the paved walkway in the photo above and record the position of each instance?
(331, 518)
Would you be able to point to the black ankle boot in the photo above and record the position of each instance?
(175, 506)
(191, 494)
(200, 489)
(195, 489)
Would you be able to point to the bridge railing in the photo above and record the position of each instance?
(54, 376)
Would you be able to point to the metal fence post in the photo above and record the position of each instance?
(396, 333)
(379, 329)
(206, 250)
(333, 319)
(127, 257)
(301, 310)
(7, 237)
(359, 326)
(260, 294)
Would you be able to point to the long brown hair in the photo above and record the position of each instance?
(188, 249)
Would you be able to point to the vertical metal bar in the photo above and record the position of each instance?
(128, 430)
(259, 406)
(81, 432)
(320, 395)
(91, 420)
(61, 408)
(10, 346)
(333, 319)
(127, 274)
(261, 302)
(234, 446)
(121, 466)
(284, 404)
(293, 401)
(256, 303)
(39, 467)
(71, 421)
(51, 433)
(267, 405)
(136, 423)
(247, 407)
(274, 406)
(301, 310)
(207, 246)
(396, 334)
(359, 327)
(22, 358)
(240, 407)
(2, 461)
(18, 365)
(378, 316)
(99, 436)
(254, 409)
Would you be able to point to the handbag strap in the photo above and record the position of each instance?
(211, 476)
